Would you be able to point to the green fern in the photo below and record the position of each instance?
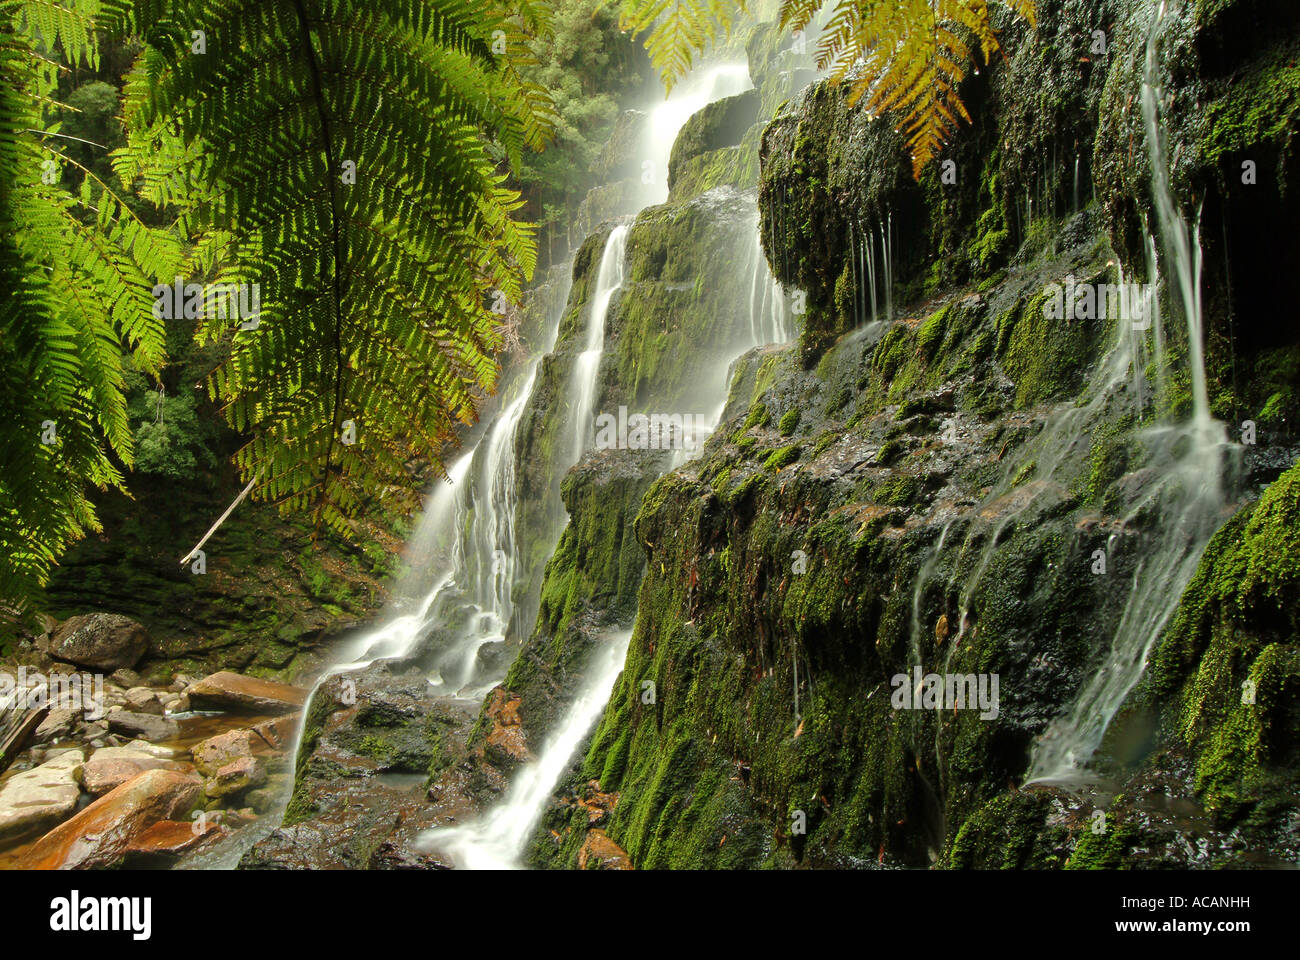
(76, 270)
(376, 294)
(907, 57)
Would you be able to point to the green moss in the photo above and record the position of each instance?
(1107, 849)
(1009, 832)
(824, 442)
(1261, 107)
(789, 422)
(898, 491)
(890, 451)
(782, 458)
(1233, 633)
(1047, 358)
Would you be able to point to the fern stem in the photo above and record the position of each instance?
(327, 136)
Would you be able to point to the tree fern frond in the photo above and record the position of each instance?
(907, 57)
(347, 165)
(78, 269)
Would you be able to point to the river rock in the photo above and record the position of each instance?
(143, 700)
(110, 767)
(277, 732)
(168, 839)
(143, 725)
(100, 641)
(57, 724)
(216, 752)
(240, 694)
(157, 750)
(235, 777)
(37, 799)
(100, 835)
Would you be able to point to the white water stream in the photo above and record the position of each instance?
(496, 840)
(582, 387)
(1187, 501)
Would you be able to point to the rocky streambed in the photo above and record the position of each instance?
(116, 771)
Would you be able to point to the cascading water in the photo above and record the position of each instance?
(1187, 502)
(862, 263)
(692, 94)
(609, 279)
(495, 841)
(767, 307)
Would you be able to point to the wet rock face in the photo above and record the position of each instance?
(35, 800)
(243, 694)
(893, 494)
(100, 835)
(1229, 107)
(376, 748)
(718, 125)
(682, 308)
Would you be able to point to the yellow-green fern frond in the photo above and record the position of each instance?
(907, 57)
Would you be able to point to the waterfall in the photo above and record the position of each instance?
(887, 254)
(496, 841)
(497, 838)
(767, 324)
(1187, 502)
(609, 278)
(766, 298)
(691, 94)
(862, 263)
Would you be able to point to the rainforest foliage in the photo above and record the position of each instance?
(907, 58)
(369, 177)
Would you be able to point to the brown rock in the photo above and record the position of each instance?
(100, 835)
(235, 777)
(168, 839)
(143, 700)
(216, 752)
(505, 740)
(57, 724)
(598, 852)
(239, 694)
(102, 774)
(277, 734)
(147, 726)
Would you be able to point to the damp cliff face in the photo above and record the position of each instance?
(694, 294)
(926, 484)
(668, 327)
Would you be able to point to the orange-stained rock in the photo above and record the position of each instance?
(215, 752)
(277, 733)
(100, 835)
(240, 694)
(505, 740)
(598, 805)
(171, 838)
(598, 852)
(100, 775)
